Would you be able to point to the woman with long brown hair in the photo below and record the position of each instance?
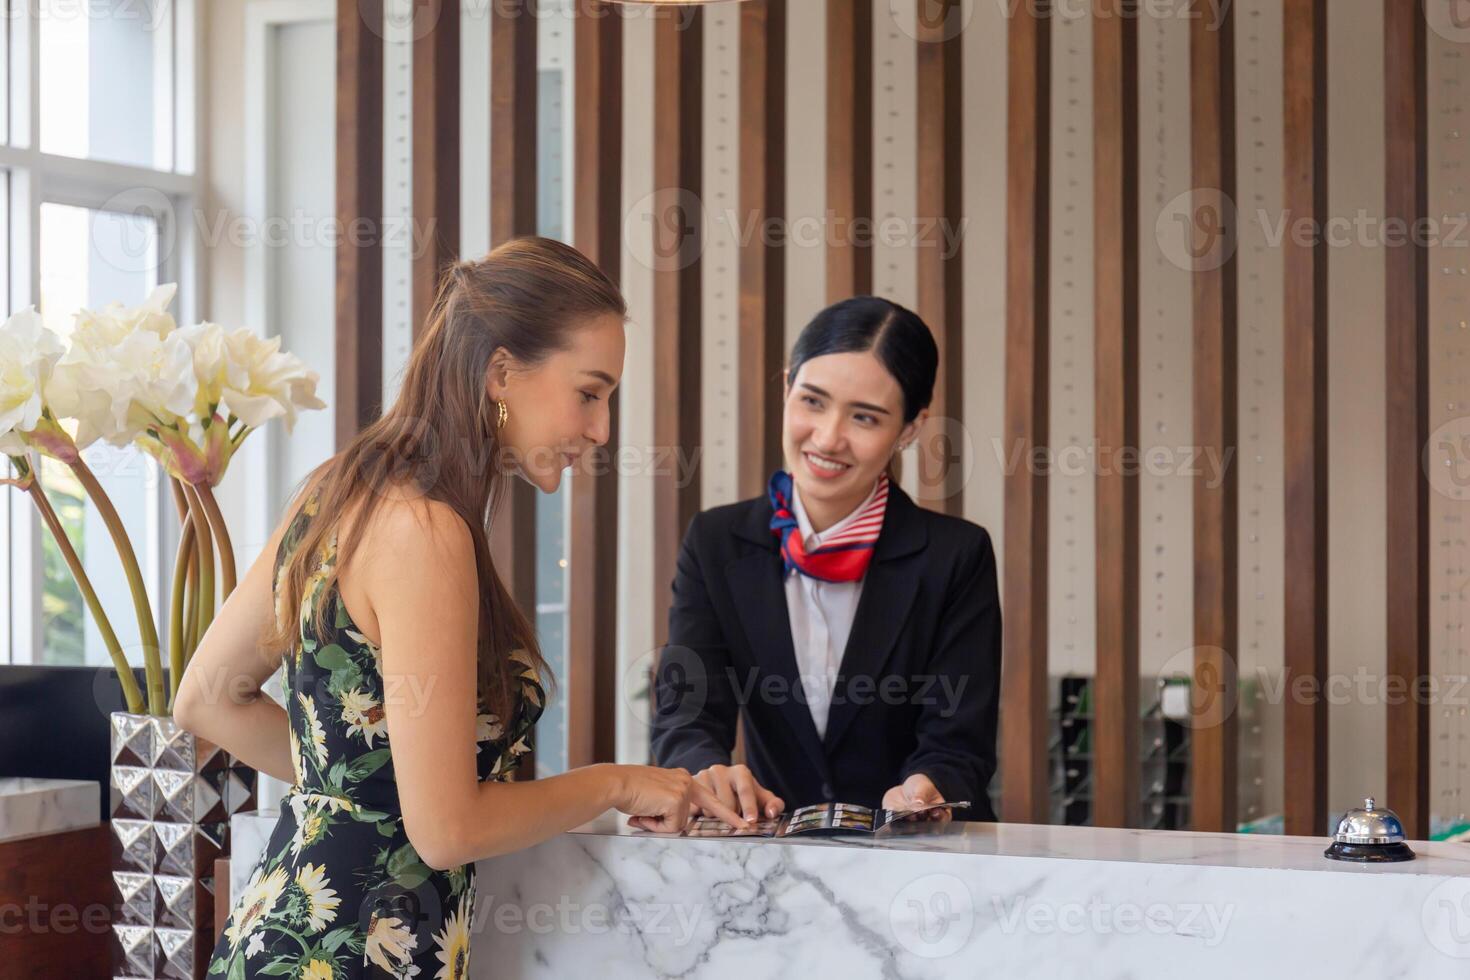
(412, 679)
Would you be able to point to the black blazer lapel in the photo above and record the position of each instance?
(758, 588)
(889, 588)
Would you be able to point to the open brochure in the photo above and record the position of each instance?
(833, 818)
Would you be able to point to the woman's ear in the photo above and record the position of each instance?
(911, 431)
(497, 374)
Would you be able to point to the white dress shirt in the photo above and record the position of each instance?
(821, 614)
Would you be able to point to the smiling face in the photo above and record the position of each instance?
(558, 408)
(842, 422)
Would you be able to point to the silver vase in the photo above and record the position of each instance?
(172, 797)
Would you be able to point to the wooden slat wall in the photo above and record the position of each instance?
(1116, 284)
(359, 180)
(435, 156)
(1023, 728)
(940, 200)
(1304, 443)
(1406, 361)
(762, 262)
(849, 145)
(849, 172)
(1212, 141)
(678, 107)
(513, 214)
(590, 684)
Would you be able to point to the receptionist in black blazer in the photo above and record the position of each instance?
(857, 633)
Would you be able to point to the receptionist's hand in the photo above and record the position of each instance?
(917, 790)
(735, 786)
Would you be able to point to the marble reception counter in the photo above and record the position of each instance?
(31, 806)
(962, 901)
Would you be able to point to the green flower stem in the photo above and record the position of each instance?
(204, 546)
(187, 610)
(152, 665)
(177, 655)
(131, 694)
(222, 538)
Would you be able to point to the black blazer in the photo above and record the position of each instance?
(918, 684)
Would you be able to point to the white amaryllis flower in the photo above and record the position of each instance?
(125, 368)
(28, 353)
(264, 382)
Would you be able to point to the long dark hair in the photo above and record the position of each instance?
(526, 296)
(895, 334)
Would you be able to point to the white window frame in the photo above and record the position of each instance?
(169, 195)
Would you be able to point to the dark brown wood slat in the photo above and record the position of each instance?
(359, 178)
(513, 214)
(435, 156)
(1116, 286)
(1212, 152)
(512, 121)
(678, 74)
(762, 260)
(1023, 724)
(1304, 444)
(1406, 360)
(849, 147)
(938, 259)
(592, 530)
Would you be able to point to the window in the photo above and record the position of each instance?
(95, 184)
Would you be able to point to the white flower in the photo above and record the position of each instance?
(454, 943)
(262, 382)
(314, 725)
(256, 902)
(115, 321)
(321, 901)
(388, 940)
(213, 368)
(363, 714)
(125, 367)
(28, 353)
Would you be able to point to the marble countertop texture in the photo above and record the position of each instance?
(30, 806)
(960, 900)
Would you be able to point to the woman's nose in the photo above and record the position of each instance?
(828, 436)
(601, 429)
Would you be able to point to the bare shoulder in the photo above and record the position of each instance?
(418, 533)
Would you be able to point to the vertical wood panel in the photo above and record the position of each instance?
(849, 147)
(1304, 436)
(435, 156)
(1116, 284)
(1212, 160)
(939, 266)
(359, 179)
(592, 532)
(678, 105)
(1023, 734)
(512, 121)
(1406, 357)
(513, 214)
(762, 259)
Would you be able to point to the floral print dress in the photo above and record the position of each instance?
(340, 891)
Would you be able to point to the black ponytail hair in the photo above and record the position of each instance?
(896, 336)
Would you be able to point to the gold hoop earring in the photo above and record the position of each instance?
(503, 414)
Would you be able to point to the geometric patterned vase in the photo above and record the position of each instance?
(172, 797)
